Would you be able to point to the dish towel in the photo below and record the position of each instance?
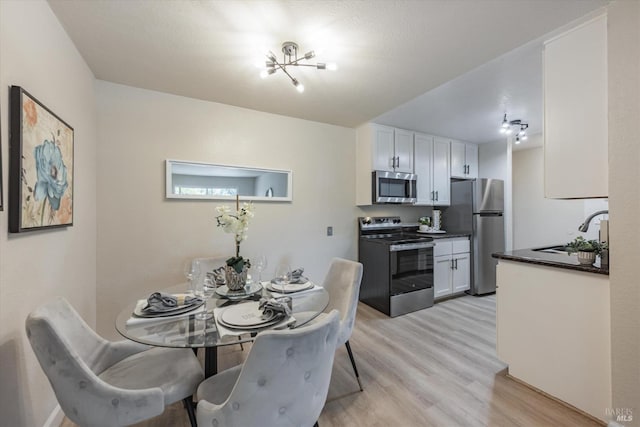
(160, 302)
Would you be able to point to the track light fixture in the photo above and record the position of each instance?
(521, 126)
(290, 51)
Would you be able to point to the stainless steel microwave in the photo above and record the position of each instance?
(394, 187)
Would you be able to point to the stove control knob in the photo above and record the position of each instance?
(396, 221)
(366, 220)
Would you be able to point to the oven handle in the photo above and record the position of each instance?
(411, 246)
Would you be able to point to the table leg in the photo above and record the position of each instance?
(210, 361)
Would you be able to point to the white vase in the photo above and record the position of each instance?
(586, 258)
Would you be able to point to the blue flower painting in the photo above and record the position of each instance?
(42, 194)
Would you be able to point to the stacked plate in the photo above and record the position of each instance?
(301, 284)
(247, 316)
(179, 309)
(251, 289)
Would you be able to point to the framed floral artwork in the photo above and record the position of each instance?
(40, 166)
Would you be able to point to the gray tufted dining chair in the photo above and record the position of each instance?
(283, 383)
(103, 383)
(343, 285)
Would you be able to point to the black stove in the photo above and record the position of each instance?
(388, 230)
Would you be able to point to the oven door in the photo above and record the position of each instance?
(394, 187)
(411, 269)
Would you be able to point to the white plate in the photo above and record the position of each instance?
(272, 322)
(249, 290)
(289, 288)
(431, 232)
(247, 315)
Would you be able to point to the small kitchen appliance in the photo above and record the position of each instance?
(393, 187)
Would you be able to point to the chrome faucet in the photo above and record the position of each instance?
(585, 225)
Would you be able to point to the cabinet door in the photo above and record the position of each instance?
(471, 158)
(442, 276)
(461, 279)
(457, 159)
(383, 152)
(441, 172)
(575, 92)
(404, 151)
(423, 149)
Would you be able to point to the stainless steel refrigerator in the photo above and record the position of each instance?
(477, 208)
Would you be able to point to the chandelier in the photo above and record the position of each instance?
(290, 59)
(521, 126)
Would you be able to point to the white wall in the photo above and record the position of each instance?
(37, 266)
(494, 161)
(624, 198)
(143, 238)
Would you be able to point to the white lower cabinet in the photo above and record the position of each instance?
(451, 267)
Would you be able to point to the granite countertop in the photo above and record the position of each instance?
(569, 262)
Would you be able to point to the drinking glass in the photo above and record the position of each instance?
(260, 264)
(199, 289)
(191, 270)
(283, 276)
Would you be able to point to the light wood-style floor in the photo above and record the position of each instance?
(435, 367)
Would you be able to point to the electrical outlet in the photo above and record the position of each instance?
(329, 231)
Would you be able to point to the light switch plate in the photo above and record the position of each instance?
(329, 231)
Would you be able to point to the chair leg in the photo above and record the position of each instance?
(241, 346)
(353, 363)
(189, 406)
(316, 424)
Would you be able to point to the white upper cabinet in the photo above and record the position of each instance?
(383, 148)
(392, 149)
(433, 169)
(464, 160)
(404, 151)
(575, 113)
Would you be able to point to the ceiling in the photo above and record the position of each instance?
(389, 53)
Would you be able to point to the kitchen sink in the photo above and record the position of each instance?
(561, 249)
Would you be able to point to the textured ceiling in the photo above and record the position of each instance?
(388, 52)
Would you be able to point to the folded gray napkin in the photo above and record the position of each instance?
(159, 302)
(275, 307)
(296, 276)
(217, 276)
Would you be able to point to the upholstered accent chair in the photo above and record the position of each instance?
(343, 285)
(103, 383)
(283, 383)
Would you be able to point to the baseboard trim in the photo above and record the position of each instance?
(562, 402)
(55, 418)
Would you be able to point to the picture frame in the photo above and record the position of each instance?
(41, 165)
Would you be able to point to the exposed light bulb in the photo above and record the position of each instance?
(524, 137)
(508, 131)
(505, 123)
(321, 66)
(264, 74)
(309, 55)
(503, 130)
(332, 66)
(517, 140)
(299, 86)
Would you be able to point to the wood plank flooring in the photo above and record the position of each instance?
(435, 367)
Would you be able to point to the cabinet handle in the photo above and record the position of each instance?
(456, 261)
(433, 195)
(398, 161)
(436, 196)
(451, 264)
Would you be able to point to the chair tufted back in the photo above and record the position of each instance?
(71, 355)
(284, 381)
(343, 285)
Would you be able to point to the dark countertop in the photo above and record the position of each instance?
(568, 262)
(444, 235)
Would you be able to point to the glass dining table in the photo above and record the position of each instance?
(187, 331)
